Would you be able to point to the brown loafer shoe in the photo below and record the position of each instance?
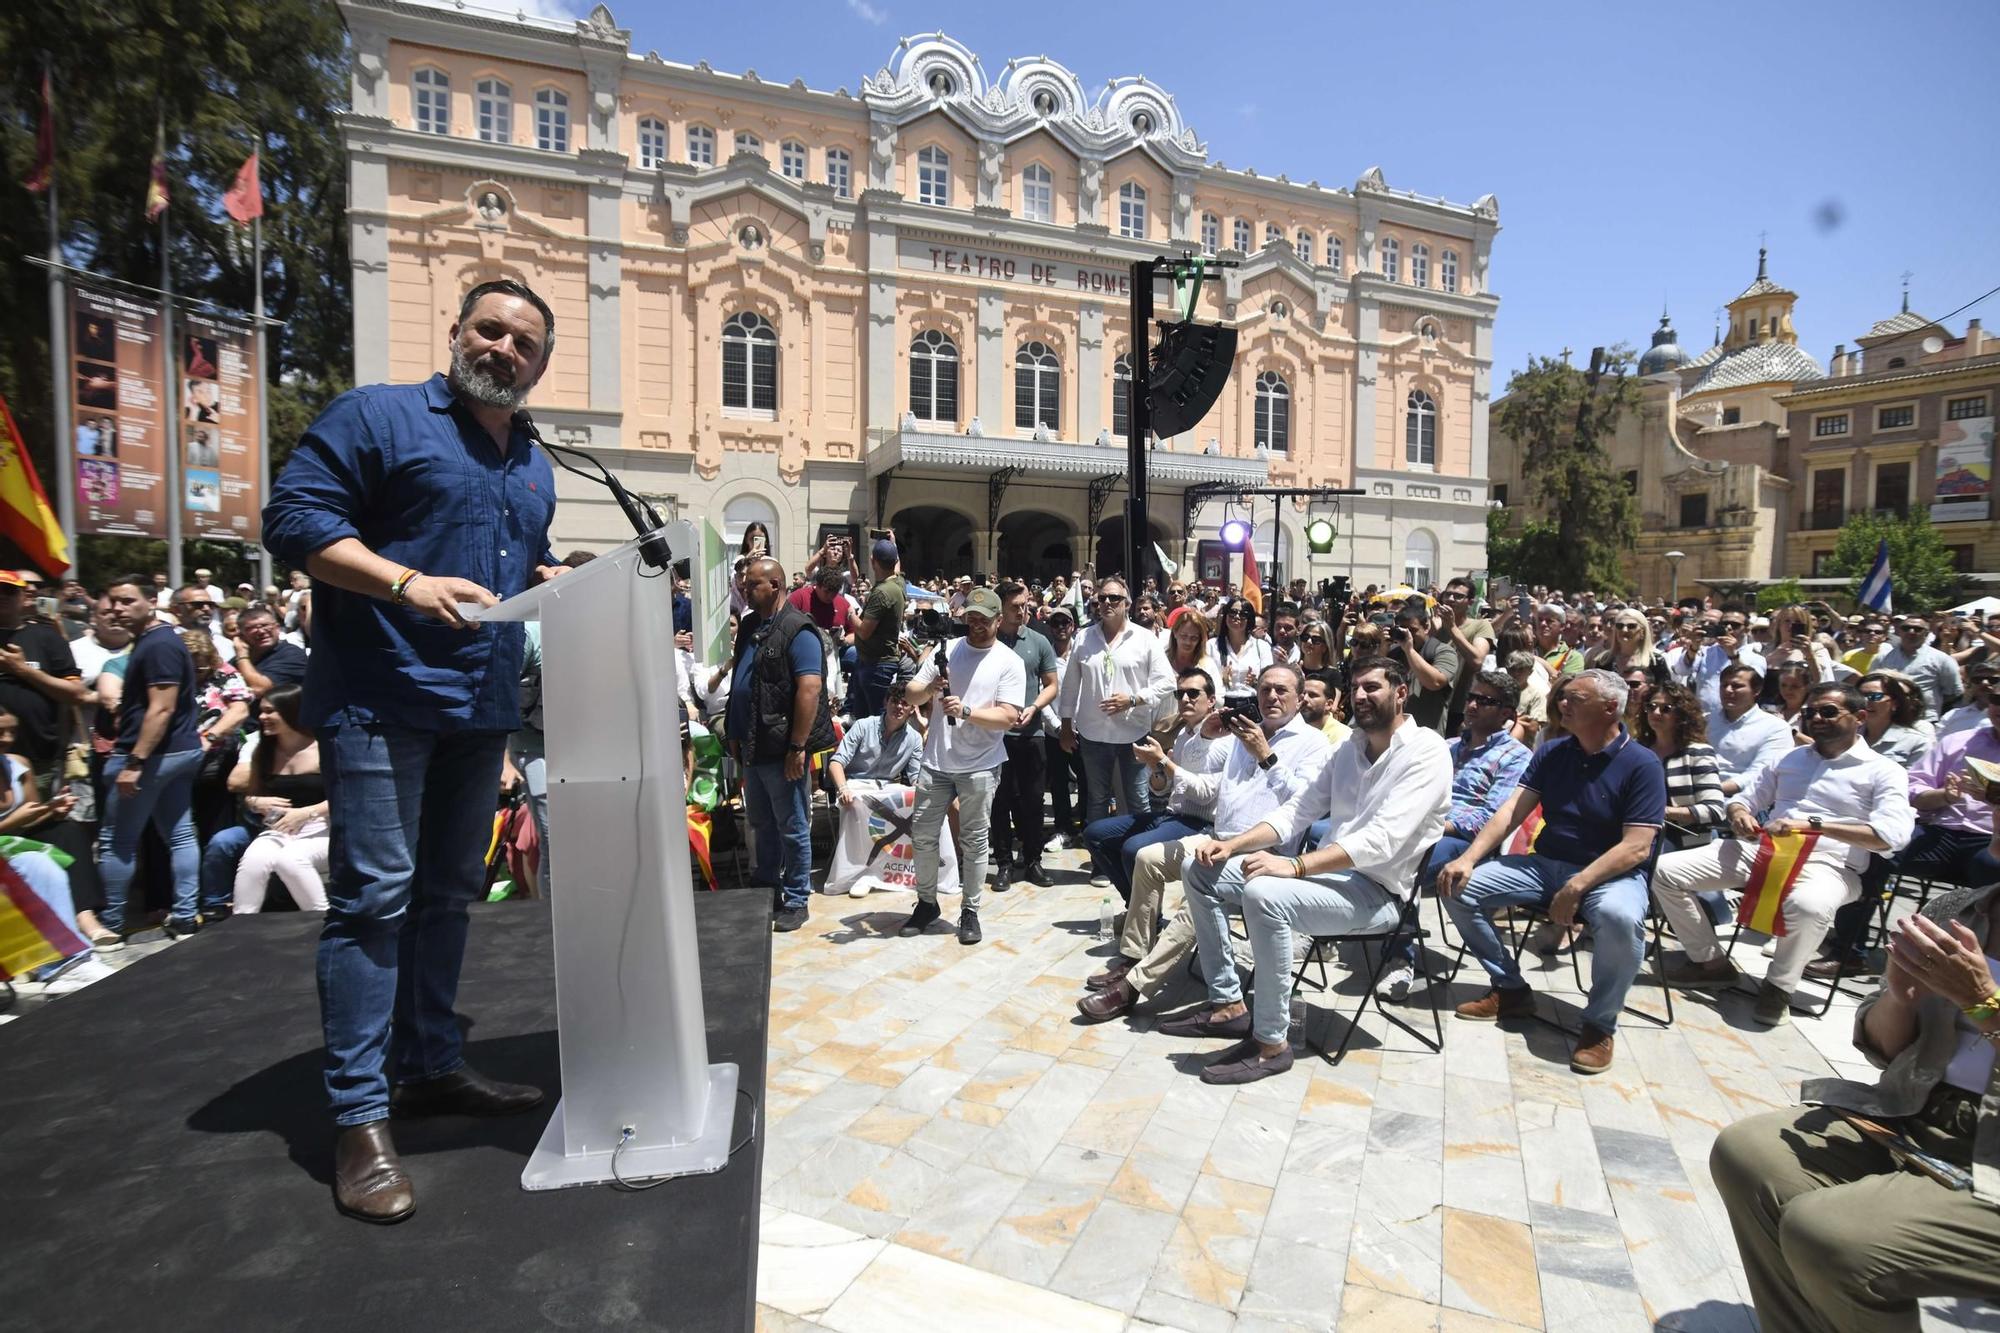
(1205, 1024)
(464, 1091)
(1115, 999)
(1247, 1066)
(1496, 1004)
(1832, 969)
(1109, 976)
(1593, 1051)
(368, 1179)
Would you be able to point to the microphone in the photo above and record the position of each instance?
(645, 519)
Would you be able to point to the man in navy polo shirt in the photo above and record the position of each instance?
(1603, 798)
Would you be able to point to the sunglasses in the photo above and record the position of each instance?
(1312, 638)
(1875, 696)
(1109, 599)
(1239, 615)
(1827, 712)
(1482, 701)
(1663, 708)
(1195, 693)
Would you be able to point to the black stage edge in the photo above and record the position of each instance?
(166, 1156)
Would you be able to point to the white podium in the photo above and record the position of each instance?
(636, 1080)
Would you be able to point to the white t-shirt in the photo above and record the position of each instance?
(981, 677)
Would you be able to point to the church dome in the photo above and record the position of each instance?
(1665, 354)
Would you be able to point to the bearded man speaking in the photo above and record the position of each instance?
(404, 501)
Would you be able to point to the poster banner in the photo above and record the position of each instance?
(217, 362)
(116, 385)
(711, 584)
(1964, 470)
(875, 852)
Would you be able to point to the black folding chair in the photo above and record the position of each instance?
(1408, 924)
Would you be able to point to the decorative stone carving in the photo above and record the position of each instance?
(1090, 188)
(1371, 182)
(492, 208)
(882, 149)
(1487, 207)
(990, 156)
(601, 24)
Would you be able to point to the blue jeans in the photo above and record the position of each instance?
(1115, 843)
(50, 882)
(780, 813)
(1111, 770)
(1615, 909)
(165, 797)
(411, 814)
(218, 865)
(868, 686)
(1273, 908)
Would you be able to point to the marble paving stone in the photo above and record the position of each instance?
(1038, 1122)
(960, 1213)
(773, 1320)
(1560, 1158)
(1115, 1118)
(898, 1185)
(1034, 1234)
(945, 1142)
(1638, 1159)
(1489, 1268)
(804, 1265)
(1311, 1210)
(1250, 1144)
(1396, 1242)
(1365, 1309)
(1166, 1310)
(1682, 1274)
(1486, 1183)
(1330, 1150)
(904, 1291)
(826, 1176)
(1291, 1285)
(1154, 1182)
(1111, 1260)
(1006, 1078)
(1080, 1166)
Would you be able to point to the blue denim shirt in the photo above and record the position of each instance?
(406, 470)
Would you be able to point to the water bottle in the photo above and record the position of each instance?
(1106, 914)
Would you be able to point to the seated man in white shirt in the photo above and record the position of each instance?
(1385, 790)
(1857, 801)
(1745, 737)
(1269, 761)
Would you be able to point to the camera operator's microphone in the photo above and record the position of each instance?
(645, 520)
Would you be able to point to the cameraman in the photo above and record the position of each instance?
(1430, 658)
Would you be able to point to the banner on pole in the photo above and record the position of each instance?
(116, 375)
(711, 583)
(217, 362)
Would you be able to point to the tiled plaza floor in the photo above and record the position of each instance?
(948, 1146)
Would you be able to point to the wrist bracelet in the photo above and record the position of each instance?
(1298, 867)
(1985, 1010)
(399, 590)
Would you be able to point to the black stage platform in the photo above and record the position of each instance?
(166, 1157)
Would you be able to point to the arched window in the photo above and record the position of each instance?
(652, 142)
(430, 100)
(1211, 233)
(1272, 236)
(493, 111)
(747, 142)
(1392, 258)
(1420, 430)
(840, 172)
(1420, 265)
(1302, 245)
(1448, 271)
(749, 364)
(552, 120)
(1037, 387)
(934, 176)
(1132, 210)
(1420, 557)
(792, 160)
(933, 377)
(1240, 239)
(1121, 405)
(701, 146)
(741, 512)
(1038, 194)
(1274, 412)
(1333, 256)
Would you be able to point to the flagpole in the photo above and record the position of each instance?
(172, 376)
(264, 573)
(63, 374)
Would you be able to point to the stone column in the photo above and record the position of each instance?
(368, 256)
(1367, 367)
(990, 356)
(606, 282)
(881, 400)
(1090, 415)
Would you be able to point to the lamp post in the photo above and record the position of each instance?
(1674, 559)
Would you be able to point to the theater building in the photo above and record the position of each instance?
(905, 304)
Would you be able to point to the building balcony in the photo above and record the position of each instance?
(942, 449)
(1822, 520)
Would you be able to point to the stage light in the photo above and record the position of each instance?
(1235, 534)
(1319, 536)
(1190, 366)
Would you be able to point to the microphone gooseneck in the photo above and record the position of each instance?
(645, 520)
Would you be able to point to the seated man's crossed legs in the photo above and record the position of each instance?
(1146, 955)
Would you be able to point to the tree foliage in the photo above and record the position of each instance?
(1785, 592)
(1520, 557)
(1556, 422)
(220, 76)
(1922, 574)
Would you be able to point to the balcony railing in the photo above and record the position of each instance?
(1821, 520)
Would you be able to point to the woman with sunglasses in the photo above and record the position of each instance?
(1892, 716)
(1315, 648)
(1673, 727)
(1187, 650)
(1240, 655)
(1630, 644)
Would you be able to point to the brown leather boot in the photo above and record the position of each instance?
(1593, 1051)
(1499, 1003)
(368, 1179)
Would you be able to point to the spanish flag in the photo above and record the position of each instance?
(701, 825)
(1524, 837)
(1253, 582)
(1776, 869)
(25, 517)
(30, 934)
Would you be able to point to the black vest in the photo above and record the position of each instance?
(772, 691)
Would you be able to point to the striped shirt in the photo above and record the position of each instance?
(1482, 779)
(1694, 782)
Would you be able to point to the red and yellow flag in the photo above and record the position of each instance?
(44, 171)
(30, 934)
(1772, 874)
(700, 825)
(1524, 837)
(1253, 582)
(156, 176)
(25, 516)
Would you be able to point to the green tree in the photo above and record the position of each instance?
(1922, 574)
(222, 78)
(1521, 557)
(1785, 592)
(1556, 420)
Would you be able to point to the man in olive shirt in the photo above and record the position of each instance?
(1472, 636)
(876, 634)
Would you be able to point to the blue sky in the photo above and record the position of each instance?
(1637, 153)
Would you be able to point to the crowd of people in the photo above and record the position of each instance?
(1577, 764)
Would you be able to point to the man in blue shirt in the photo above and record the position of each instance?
(1603, 798)
(405, 502)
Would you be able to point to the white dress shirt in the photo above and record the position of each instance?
(1703, 672)
(1245, 664)
(1856, 786)
(1197, 754)
(1386, 813)
(1242, 794)
(1132, 664)
(1750, 742)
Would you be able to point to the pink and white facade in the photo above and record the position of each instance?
(907, 305)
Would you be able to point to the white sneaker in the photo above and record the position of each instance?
(76, 978)
(1396, 982)
(1099, 882)
(1770, 949)
(859, 888)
